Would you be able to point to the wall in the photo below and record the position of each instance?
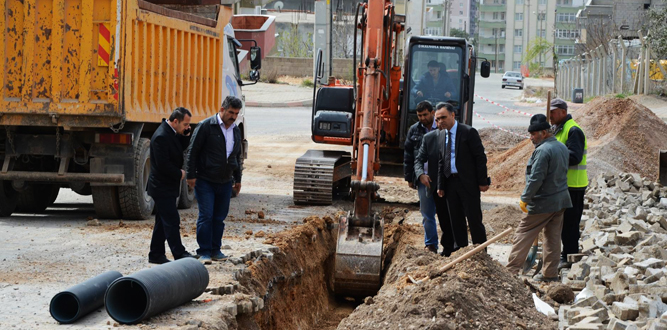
(303, 67)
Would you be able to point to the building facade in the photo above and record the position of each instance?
(506, 27)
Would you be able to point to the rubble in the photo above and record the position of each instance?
(624, 257)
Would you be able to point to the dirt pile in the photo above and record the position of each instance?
(498, 219)
(623, 136)
(477, 293)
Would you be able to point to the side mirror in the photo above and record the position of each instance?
(255, 58)
(486, 69)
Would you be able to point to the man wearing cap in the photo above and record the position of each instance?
(544, 198)
(569, 133)
(435, 83)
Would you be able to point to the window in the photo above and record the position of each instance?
(502, 16)
(518, 16)
(564, 2)
(566, 17)
(460, 4)
(542, 33)
(519, 2)
(567, 34)
(460, 20)
(501, 48)
(543, 2)
(565, 50)
(516, 65)
(482, 16)
(496, 15)
(439, 14)
(541, 16)
(518, 49)
(518, 32)
(461, 12)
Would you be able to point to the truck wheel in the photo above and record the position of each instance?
(35, 198)
(106, 202)
(187, 197)
(81, 188)
(134, 201)
(8, 199)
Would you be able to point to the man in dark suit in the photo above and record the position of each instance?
(164, 184)
(425, 168)
(462, 175)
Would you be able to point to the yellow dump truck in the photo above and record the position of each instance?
(86, 83)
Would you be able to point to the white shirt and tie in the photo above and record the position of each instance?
(228, 133)
(453, 145)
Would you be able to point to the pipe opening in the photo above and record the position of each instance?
(127, 301)
(65, 307)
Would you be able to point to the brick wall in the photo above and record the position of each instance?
(303, 67)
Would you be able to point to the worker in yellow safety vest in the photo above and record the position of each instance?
(569, 133)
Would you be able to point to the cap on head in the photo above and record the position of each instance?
(433, 64)
(538, 123)
(558, 103)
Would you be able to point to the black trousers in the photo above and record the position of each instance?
(442, 211)
(167, 228)
(570, 233)
(464, 204)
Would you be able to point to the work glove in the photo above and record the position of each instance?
(523, 205)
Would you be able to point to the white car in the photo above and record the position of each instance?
(513, 78)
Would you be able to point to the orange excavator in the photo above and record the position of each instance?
(367, 116)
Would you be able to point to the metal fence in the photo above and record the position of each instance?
(621, 66)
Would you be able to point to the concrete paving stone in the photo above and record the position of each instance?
(619, 257)
(628, 238)
(650, 263)
(620, 283)
(230, 308)
(245, 307)
(601, 291)
(611, 298)
(624, 311)
(640, 213)
(605, 262)
(631, 271)
(588, 245)
(585, 302)
(601, 313)
(616, 324)
(587, 326)
(655, 277)
(579, 271)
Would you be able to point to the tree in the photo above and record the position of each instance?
(538, 47)
(657, 19)
(454, 32)
(291, 43)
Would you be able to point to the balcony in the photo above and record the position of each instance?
(492, 56)
(493, 8)
(492, 24)
(491, 40)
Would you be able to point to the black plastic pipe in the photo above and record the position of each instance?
(72, 304)
(133, 298)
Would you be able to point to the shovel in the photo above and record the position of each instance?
(530, 260)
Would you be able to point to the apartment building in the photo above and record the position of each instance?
(507, 26)
(460, 17)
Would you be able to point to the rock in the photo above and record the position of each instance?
(663, 202)
(625, 311)
(588, 302)
(260, 215)
(625, 187)
(616, 324)
(93, 222)
(625, 227)
(640, 213)
(230, 308)
(560, 293)
(368, 301)
(599, 313)
(654, 278)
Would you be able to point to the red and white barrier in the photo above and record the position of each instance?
(500, 128)
(504, 107)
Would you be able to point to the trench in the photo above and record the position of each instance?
(297, 283)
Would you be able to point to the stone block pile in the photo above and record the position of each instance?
(621, 270)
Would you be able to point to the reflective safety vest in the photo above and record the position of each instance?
(576, 174)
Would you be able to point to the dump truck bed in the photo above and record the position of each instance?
(101, 62)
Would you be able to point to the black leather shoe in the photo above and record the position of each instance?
(445, 253)
(159, 260)
(185, 254)
(432, 248)
(564, 264)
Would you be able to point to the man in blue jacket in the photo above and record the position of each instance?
(544, 198)
(214, 170)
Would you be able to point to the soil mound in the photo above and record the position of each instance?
(623, 136)
(477, 293)
(498, 219)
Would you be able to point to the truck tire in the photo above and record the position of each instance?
(35, 198)
(187, 197)
(134, 201)
(81, 188)
(8, 199)
(106, 202)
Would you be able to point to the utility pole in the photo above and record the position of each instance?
(540, 17)
(497, 50)
(527, 30)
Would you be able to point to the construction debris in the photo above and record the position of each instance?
(622, 269)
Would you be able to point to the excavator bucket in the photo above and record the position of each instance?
(319, 174)
(662, 175)
(358, 264)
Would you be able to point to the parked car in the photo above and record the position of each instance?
(513, 78)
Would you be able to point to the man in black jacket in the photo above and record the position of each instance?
(426, 167)
(462, 175)
(435, 83)
(164, 184)
(413, 142)
(214, 170)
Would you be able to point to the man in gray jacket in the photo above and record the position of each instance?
(545, 199)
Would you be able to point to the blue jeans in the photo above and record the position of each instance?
(213, 200)
(427, 208)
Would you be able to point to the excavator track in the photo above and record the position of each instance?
(319, 174)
